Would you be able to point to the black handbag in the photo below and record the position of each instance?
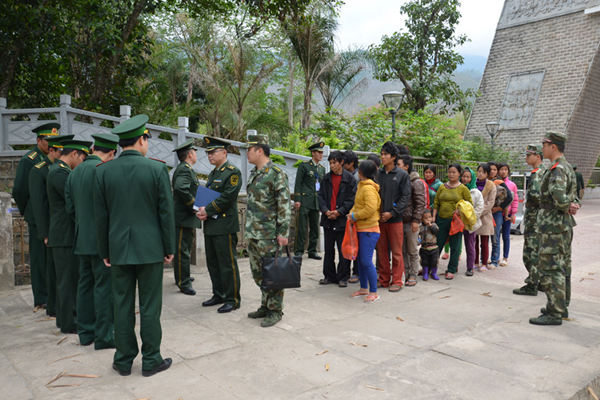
(281, 272)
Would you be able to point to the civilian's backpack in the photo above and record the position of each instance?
(426, 192)
(504, 196)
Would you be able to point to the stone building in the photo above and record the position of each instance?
(543, 73)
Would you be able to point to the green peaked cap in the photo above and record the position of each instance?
(49, 129)
(77, 145)
(54, 141)
(106, 140)
(131, 128)
(188, 144)
(211, 143)
(317, 146)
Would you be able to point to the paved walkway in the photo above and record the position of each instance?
(463, 339)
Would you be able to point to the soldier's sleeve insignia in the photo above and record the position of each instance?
(33, 155)
(555, 165)
(40, 165)
(234, 180)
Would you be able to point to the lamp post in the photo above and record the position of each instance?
(492, 128)
(393, 100)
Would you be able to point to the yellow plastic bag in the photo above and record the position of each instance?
(467, 214)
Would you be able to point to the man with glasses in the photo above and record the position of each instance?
(185, 184)
(221, 225)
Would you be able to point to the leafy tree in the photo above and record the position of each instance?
(423, 57)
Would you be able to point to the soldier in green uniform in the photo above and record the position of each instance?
(136, 231)
(308, 182)
(62, 231)
(41, 210)
(21, 194)
(555, 222)
(221, 225)
(94, 290)
(534, 157)
(268, 221)
(185, 186)
(580, 183)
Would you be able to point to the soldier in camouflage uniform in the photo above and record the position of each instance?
(534, 157)
(267, 221)
(555, 222)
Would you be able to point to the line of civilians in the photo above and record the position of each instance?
(406, 220)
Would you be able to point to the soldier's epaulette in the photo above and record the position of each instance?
(156, 159)
(555, 165)
(33, 155)
(187, 165)
(64, 166)
(231, 167)
(102, 163)
(40, 165)
(277, 168)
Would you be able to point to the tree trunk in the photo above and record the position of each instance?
(291, 92)
(190, 85)
(307, 106)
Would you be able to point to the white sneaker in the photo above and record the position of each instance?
(503, 263)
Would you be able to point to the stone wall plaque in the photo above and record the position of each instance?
(520, 99)
(519, 12)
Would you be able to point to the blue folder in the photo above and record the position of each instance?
(205, 196)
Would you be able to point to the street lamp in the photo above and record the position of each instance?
(393, 100)
(492, 128)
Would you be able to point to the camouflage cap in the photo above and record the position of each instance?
(533, 149)
(317, 146)
(555, 138)
(211, 143)
(253, 140)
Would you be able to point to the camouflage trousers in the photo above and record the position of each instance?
(531, 247)
(554, 261)
(257, 249)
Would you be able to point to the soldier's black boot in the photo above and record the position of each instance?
(273, 318)
(526, 291)
(564, 315)
(260, 313)
(546, 319)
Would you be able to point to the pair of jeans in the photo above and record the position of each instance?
(506, 236)
(470, 248)
(366, 269)
(498, 219)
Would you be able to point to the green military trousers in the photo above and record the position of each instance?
(257, 249)
(531, 248)
(149, 279)
(554, 260)
(95, 303)
(67, 277)
(221, 259)
(181, 260)
(312, 218)
(37, 266)
(51, 285)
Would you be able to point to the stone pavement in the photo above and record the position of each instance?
(463, 339)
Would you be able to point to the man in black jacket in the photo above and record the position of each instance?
(336, 198)
(395, 192)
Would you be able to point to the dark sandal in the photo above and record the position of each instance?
(324, 282)
(395, 288)
(343, 284)
(412, 281)
(449, 275)
(353, 279)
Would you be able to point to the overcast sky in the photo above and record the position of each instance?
(363, 22)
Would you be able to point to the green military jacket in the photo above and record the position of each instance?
(534, 195)
(558, 189)
(38, 197)
(62, 225)
(134, 210)
(223, 212)
(269, 210)
(305, 191)
(185, 186)
(20, 190)
(79, 199)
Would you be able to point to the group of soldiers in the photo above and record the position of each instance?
(552, 201)
(100, 226)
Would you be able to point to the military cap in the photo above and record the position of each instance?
(49, 129)
(533, 149)
(77, 145)
(574, 166)
(54, 141)
(253, 140)
(188, 144)
(211, 143)
(317, 146)
(106, 140)
(132, 128)
(555, 138)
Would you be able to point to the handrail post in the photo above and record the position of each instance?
(183, 123)
(125, 112)
(65, 104)
(3, 131)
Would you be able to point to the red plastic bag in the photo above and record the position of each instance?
(350, 243)
(457, 225)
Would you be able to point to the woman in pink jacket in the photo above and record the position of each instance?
(504, 174)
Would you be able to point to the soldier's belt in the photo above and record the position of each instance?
(547, 206)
